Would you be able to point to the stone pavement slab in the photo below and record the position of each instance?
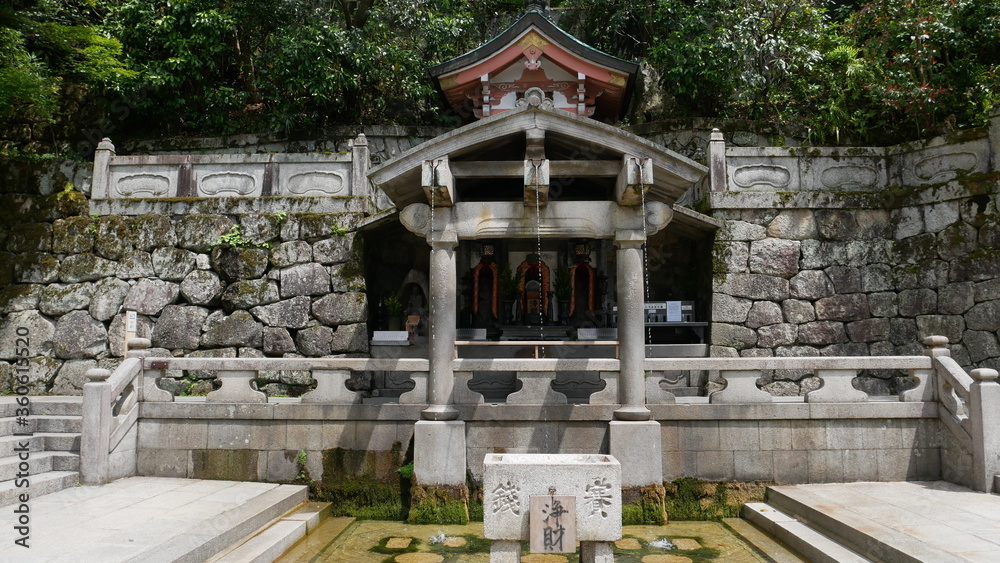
(913, 518)
(142, 519)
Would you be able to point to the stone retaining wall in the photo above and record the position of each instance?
(815, 272)
(288, 284)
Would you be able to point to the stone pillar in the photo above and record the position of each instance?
(101, 187)
(443, 320)
(631, 326)
(95, 436)
(717, 161)
(984, 395)
(994, 129)
(360, 160)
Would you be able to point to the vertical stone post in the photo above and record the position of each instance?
(443, 320)
(95, 439)
(984, 398)
(717, 161)
(360, 161)
(631, 326)
(995, 138)
(101, 187)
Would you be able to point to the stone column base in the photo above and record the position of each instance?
(439, 494)
(505, 551)
(638, 447)
(597, 552)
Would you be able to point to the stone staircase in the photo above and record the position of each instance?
(54, 447)
(822, 531)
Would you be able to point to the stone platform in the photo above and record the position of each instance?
(901, 521)
(147, 519)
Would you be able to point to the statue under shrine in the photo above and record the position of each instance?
(485, 289)
(416, 307)
(586, 289)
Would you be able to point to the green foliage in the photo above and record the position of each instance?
(406, 471)
(235, 239)
(694, 499)
(338, 230)
(361, 497)
(510, 282)
(393, 306)
(563, 285)
(438, 505)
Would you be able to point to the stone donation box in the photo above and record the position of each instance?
(587, 485)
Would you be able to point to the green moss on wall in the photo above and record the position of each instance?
(438, 505)
(694, 499)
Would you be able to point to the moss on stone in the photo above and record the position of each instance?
(694, 499)
(439, 505)
(644, 506)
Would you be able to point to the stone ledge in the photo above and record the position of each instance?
(228, 205)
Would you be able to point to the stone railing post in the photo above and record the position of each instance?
(360, 161)
(95, 439)
(100, 189)
(984, 415)
(995, 137)
(631, 326)
(717, 161)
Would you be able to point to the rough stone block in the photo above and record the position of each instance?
(350, 338)
(773, 256)
(73, 235)
(201, 232)
(741, 231)
(882, 304)
(85, 267)
(763, 313)
(794, 224)
(938, 216)
(951, 326)
(77, 335)
(868, 330)
(333, 250)
(290, 313)
(235, 264)
(35, 267)
(914, 302)
(304, 279)
(135, 264)
(874, 277)
(108, 298)
(173, 264)
(981, 345)
(247, 294)
(850, 307)
(797, 311)
(909, 222)
(510, 480)
(59, 299)
(733, 335)
(756, 286)
(734, 255)
(314, 341)
(341, 308)
(810, 284)
(984, 316)
(821, 332)
(977, 267)
(289, 253)
(179, 327)
(149, 297)
(845, 279)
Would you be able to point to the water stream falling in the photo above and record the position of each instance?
(538, 250)
(645, 263)
(430, 237)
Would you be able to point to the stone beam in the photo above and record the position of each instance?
(515, 168)
(438, 182)
(634, 179)
(558, 219)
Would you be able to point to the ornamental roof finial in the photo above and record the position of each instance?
(540, 6)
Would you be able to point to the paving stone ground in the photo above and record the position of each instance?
(121, 520)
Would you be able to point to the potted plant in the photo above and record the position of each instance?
(394, 310)
(563, 288)
(510, 285)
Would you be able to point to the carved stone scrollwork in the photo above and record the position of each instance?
(416, 218)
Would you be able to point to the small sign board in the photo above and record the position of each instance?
(130, 321)
(552, 524)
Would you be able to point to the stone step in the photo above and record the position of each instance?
(38, 463)
(767, 546)
(811, 544)
(57, 405)
(862, 534)
(266, 545)
(316, 541)
(41, 423)
(40, 484)
(41, 441)
(217, 534)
